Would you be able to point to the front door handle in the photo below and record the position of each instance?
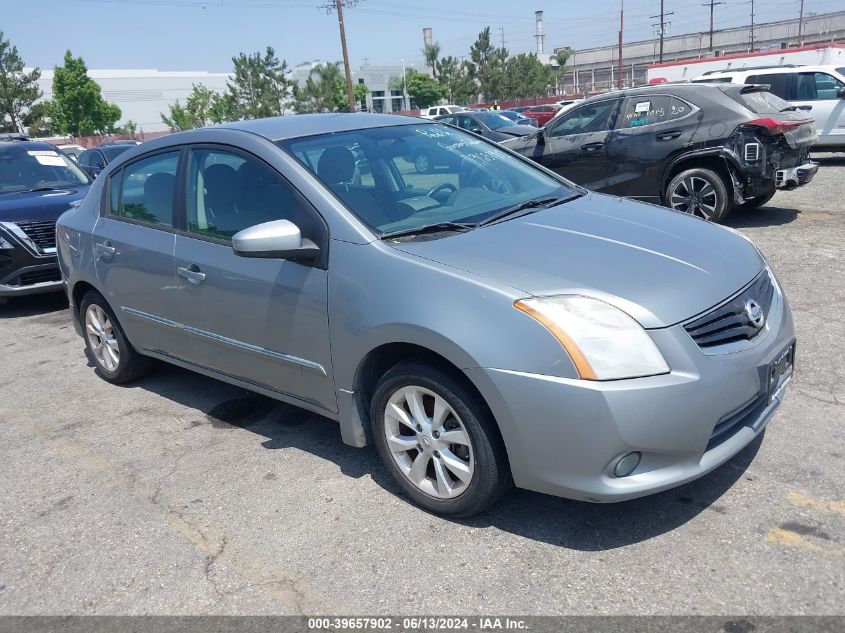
(192, 273)
(105, 250)
(591, 147)
(668, 136)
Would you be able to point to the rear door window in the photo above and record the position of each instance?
(650, 110)
(780, 84)
(148, 188)
(816, 86)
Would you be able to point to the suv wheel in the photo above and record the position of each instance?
(422, 163)
(759, 201)
(700, 192)
(114, 357)
(438, 441)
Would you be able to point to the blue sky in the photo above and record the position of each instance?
(204, 35)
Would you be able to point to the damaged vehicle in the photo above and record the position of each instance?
(703, 149)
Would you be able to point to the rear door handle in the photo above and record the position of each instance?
(192, 273)
(105, 250)
(668, 136)
(592, 147)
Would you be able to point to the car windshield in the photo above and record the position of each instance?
(29, 169)
(405, 177)
(493, 120)
(762, 102)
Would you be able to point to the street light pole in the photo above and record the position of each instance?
(405, 104)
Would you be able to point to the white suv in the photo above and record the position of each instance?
(430, 113)
(819, 89)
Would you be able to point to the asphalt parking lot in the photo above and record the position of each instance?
(182, 495)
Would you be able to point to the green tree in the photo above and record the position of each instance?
(361, 92)
(177, 117)
(488, 65)
(431, 53)
(77, 106)
(202, 107)
(424, 89)
(324, 90)
(36, 120)
(18, 89)
(259, 87)
(526, 76)
(455, 77)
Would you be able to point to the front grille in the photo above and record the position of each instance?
(42, 233)
(730, 322)
(39, 277)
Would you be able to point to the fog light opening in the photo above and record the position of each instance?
(627, 464)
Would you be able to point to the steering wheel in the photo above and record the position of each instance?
(443, 186)
(497, 185)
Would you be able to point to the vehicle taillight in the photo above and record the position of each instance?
(772, 126)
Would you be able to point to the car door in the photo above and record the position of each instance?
(263, 321)
(133, 243)
(650, 131)
(820, 91)
(574, 144)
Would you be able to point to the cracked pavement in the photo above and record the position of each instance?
(182, 495)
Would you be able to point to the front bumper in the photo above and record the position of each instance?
(564, 436)
(795, 176)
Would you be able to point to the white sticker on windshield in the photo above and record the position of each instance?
(47, 157)
(643, 106)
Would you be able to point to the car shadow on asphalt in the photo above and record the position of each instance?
(764, 216)
(571, 524)
(34, 305)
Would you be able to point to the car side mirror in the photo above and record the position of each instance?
(840, 94)
(540, 137)
(476, 130)
(279, 239)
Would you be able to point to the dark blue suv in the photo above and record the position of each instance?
(37, 184)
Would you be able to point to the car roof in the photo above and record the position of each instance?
(22, 146)
(293, 126)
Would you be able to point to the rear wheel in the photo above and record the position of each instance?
(438, 440)
(759, 201)
(699, 192)
(114, 357)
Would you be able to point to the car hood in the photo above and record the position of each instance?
(660, 266)
(517, 130)
(38, 205)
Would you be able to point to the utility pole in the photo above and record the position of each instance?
(712, 4)
(662, 27)
(751, 48)
(338, 6)
(801, 25)
(621, 29)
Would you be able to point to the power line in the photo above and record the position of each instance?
(712, 4)
(663, 23)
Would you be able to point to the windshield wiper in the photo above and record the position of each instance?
(34, 189)
(529, 206)
(788, 108)
(438, 227)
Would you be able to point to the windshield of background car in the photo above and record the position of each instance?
(762, 102)
(113, 151)
(408, 176)
(494, 120)
(28, 168)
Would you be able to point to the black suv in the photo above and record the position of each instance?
(37, 184)
(698, 148)
(93, 161)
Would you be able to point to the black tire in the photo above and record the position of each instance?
(713, 203)
(490, 476)
(759, 201)
(130, 364)
(422, 163)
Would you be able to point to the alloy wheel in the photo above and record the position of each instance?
(696, 196)
(101, 338)
(428, 442)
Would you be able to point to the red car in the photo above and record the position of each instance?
(543, 113)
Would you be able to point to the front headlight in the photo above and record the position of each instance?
(603, 342)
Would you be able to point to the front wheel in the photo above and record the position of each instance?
(114, 357)
(699, 192)
(438, 440)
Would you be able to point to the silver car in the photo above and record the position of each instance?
(485, 324)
